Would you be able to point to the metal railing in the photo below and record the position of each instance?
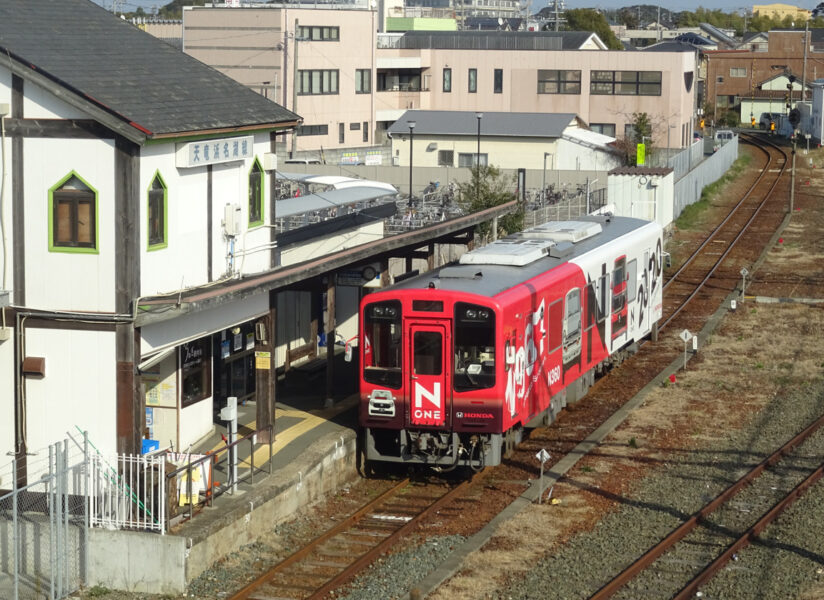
(193, 483)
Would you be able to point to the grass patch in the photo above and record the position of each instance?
(97, 591)
(689, 218)
(633, 443)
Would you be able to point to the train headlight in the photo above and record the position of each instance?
(484, 314)
(377, 311)
(471, 313)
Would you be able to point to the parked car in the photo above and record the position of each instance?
(722, 136)
(769, 117)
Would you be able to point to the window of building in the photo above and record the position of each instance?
(603, 128)
(629, 131)
(719, 79)
(255, 194)
(313, 130)
(196, 371)
(468, 159)
(366, 131)
(73, 216)
(473, 81)
(316, 33)
(625, 83)
(447, 80)
(498, 84)
(738, 72)
(317, 81)
(559, 82)
(446, 158)
(354, 126)
(157, 212)
(363, 81)
(341, 133)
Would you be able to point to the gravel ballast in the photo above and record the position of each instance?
(666, 498)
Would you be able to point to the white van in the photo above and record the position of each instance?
(722, 136)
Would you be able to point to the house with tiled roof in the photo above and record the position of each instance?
(129, 169)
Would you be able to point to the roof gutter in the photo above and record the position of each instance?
(180, 136)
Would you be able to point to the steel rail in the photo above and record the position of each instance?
(362, 561)
(690, 524)
(303, 552)
(711, 569)
(731, 214)
(731, 245)
(373, 553)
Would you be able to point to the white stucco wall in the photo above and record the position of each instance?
(67, 280)
(77, 391)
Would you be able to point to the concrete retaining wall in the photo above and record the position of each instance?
(151, 563)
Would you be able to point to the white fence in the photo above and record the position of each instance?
(128, 492)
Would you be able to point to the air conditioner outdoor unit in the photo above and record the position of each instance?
(231, 219)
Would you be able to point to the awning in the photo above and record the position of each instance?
(288, 207)
(154, 359)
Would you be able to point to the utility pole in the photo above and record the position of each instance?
(556, 15)
(804, 68)
(295, 86)
(658, 23)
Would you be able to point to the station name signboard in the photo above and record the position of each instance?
(211, 152)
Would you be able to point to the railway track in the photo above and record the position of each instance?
(708, 272)
(338, 554)
(698, 285)
(699, 548)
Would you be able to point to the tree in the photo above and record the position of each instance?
(488, 188)
(641, 127)
(587, 19)
(628, 18)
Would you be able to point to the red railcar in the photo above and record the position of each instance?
(455, 362)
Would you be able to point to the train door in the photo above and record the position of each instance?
(619, 297)
(430, 396)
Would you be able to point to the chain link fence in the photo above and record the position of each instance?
(44, 524)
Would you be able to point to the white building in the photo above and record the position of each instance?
(120, 156)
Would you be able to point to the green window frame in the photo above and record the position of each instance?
(71, 201)
(255, 194)
(157, 213)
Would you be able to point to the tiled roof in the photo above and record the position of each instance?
(453, 122)
(134, 77)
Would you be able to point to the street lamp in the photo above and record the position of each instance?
(411, 130)
(479, 116)
(543, 189)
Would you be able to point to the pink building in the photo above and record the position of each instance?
(354, 83)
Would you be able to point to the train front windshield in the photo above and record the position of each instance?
(474, 347)
(382, 344)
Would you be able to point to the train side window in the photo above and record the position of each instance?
(555, 325)
(382, 344)
(632, 280)
(474, 342)
(603, 294)
(572, 325)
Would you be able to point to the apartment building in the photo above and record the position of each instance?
(538, 72)
(328, 51)
(354, 83)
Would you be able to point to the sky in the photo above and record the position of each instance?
(676, 5)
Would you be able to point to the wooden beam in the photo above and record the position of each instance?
(330, 340)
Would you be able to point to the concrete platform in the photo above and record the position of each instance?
(314, 454)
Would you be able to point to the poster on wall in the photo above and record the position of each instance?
(224, 349)
(196, 371)
(250, 340)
